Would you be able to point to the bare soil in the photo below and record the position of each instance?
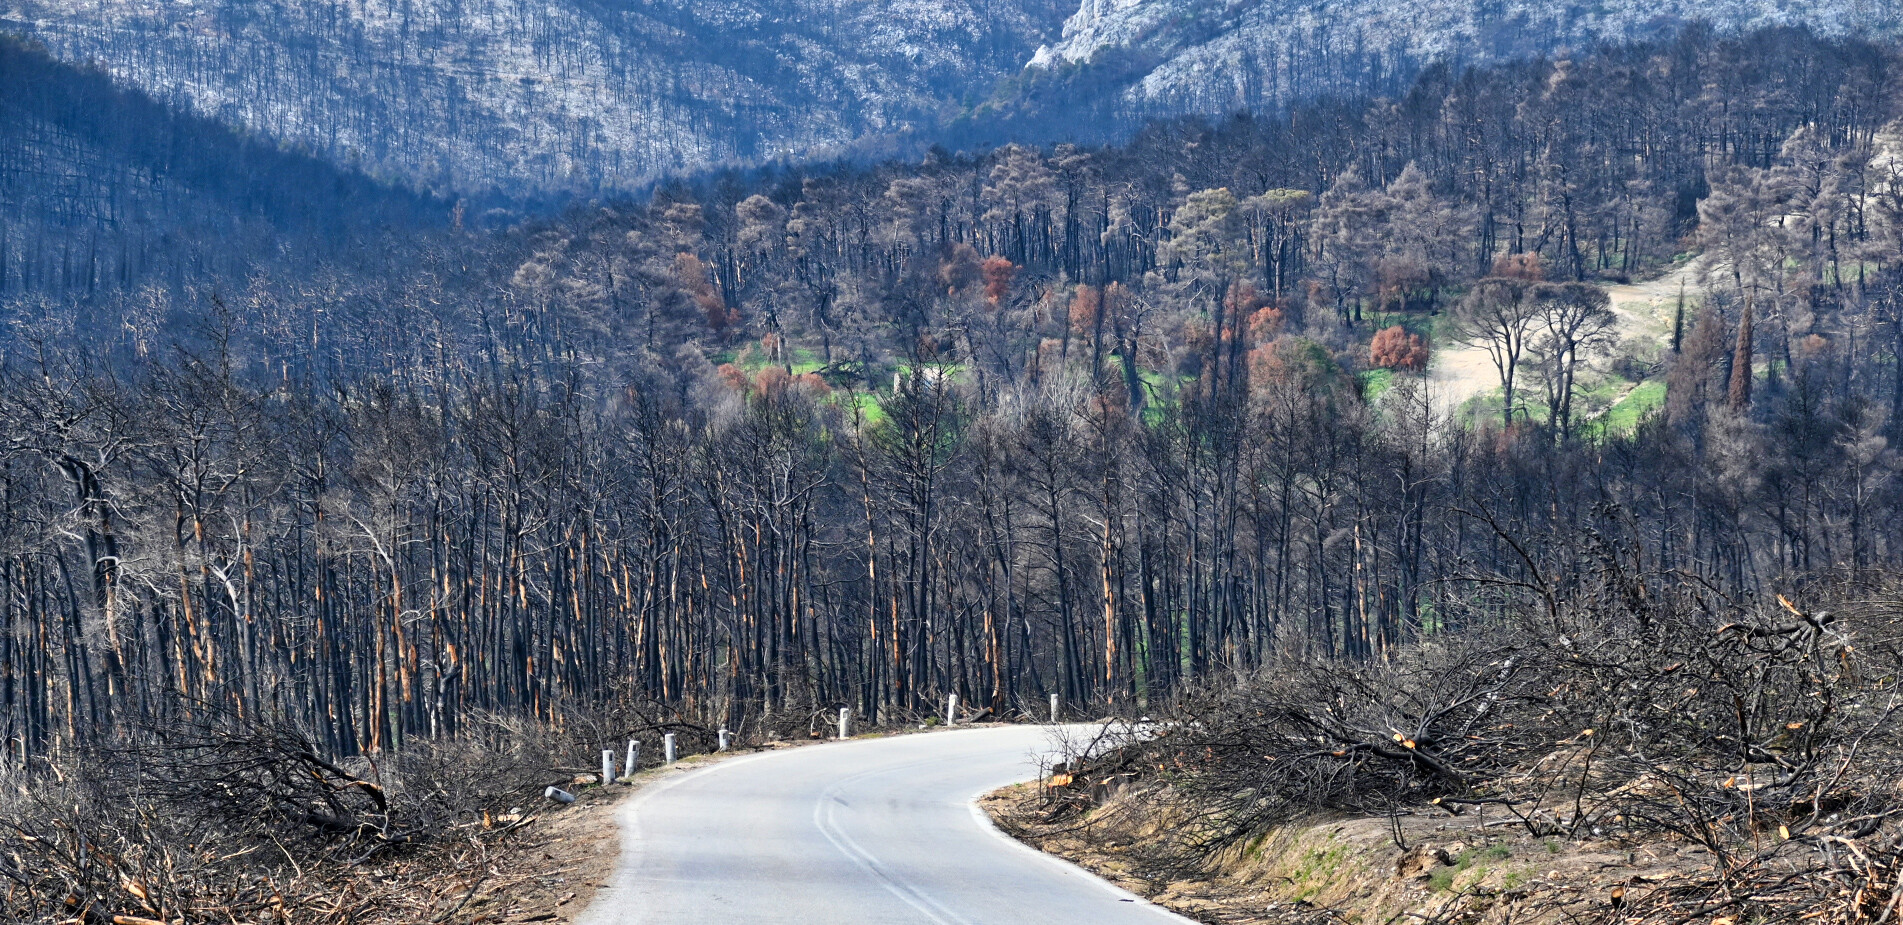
(1481, 867)
(1460, 372)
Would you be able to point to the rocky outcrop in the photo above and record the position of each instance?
(1221, 55)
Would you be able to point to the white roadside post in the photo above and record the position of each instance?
(607, 766)
(724, 738)
(845, 723)
(634, 756)
(667, 748)
(951, 709)
(1053, 709)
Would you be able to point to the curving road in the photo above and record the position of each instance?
(878, 831)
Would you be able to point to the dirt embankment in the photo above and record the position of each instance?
(220, 827)
(1635, 753)
(547, 871)
(1480, 867)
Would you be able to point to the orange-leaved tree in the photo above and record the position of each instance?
(1395, 348)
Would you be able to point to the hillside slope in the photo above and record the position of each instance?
(571, 96)
(104, 188)
(1214, 56)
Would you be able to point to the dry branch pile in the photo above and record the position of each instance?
(1759, 735)
(232, 821)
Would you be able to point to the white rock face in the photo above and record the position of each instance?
(551, 95)
(1214, 55)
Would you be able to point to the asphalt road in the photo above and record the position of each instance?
(878, 831)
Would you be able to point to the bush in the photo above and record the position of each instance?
(1395, 348)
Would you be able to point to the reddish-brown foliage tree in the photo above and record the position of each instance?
(1085, 306)
(1520, 266)
(772, 383)
(998, 273)
(1395, 348)
(1241, 302)
(1291, 363)
(1265, 325)
(693, 277)
(960, 269)
(773, 386)
(813, 383)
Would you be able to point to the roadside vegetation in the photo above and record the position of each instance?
(1635, 749)
(224, 818)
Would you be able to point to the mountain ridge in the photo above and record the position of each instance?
(1214, 56)
(591, 97)
(579, 96)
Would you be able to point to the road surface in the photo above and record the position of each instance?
(877, 831)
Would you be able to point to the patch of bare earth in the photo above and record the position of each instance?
(1480, 867)
(1461, 372)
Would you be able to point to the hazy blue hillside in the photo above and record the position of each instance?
(101, 187)
(573, 95)
(586, 96)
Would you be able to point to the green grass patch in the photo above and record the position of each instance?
(799, 360)
(865, 404)
(1374, 383)
(1634, 408)
(806, 361)
(1156, 382)
(1488, 406)
(1599, 410)
(1316, 866)
(1161, 391)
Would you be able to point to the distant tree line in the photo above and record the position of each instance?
(1092, 422)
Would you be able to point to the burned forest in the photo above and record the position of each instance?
(1464, 410)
